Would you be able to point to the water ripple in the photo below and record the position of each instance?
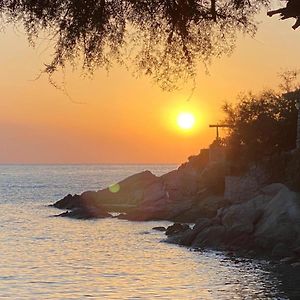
(60, 258)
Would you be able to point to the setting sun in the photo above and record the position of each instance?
(185, 120)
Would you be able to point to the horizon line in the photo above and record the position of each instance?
(88, 163)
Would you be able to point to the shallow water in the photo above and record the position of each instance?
(44, 257)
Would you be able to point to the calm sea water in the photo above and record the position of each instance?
(42, 257)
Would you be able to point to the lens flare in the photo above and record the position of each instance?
(114, 188)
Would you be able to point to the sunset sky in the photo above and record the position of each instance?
(117, 118)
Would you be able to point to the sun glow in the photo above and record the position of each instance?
(185, 120)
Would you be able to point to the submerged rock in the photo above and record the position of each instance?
(159, 228)
(178, 234)
(177, 228)
(81, 207)
(83, 213)
(187, 237)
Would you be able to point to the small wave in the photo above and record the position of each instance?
(34, 186)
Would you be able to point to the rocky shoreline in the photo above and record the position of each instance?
(266, 224)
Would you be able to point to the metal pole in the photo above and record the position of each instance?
(298, 126)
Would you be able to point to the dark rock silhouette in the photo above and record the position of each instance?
(85, 213)
(81, 207)
(68, 202)
(177, 228)
(194, 190)
(159, 228)
(126, 199)
(182, 195)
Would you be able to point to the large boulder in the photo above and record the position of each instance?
(195, 192)
(272, 189)
(187, 236)
(205, 206)
(281, 220)
(213, 177)
(243, 217)
(177, 228)
(122, 196)
(211, 237)
(182, 183)
(268, 224)
(129, 192)
(179, 234)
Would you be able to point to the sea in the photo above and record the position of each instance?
(46, 257)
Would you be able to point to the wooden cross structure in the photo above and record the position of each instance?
(220, 126)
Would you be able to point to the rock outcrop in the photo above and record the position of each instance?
(127, 197)
(182, 195)
(80, 207)
(267, 224)
(85, 213)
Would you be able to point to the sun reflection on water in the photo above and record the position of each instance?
(114, 259)
(44, 257)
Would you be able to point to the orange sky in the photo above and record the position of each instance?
(123, 119)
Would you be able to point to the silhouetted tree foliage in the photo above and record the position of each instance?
(264, 125)
(291, 10)
(164, 38)
(289, 81)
